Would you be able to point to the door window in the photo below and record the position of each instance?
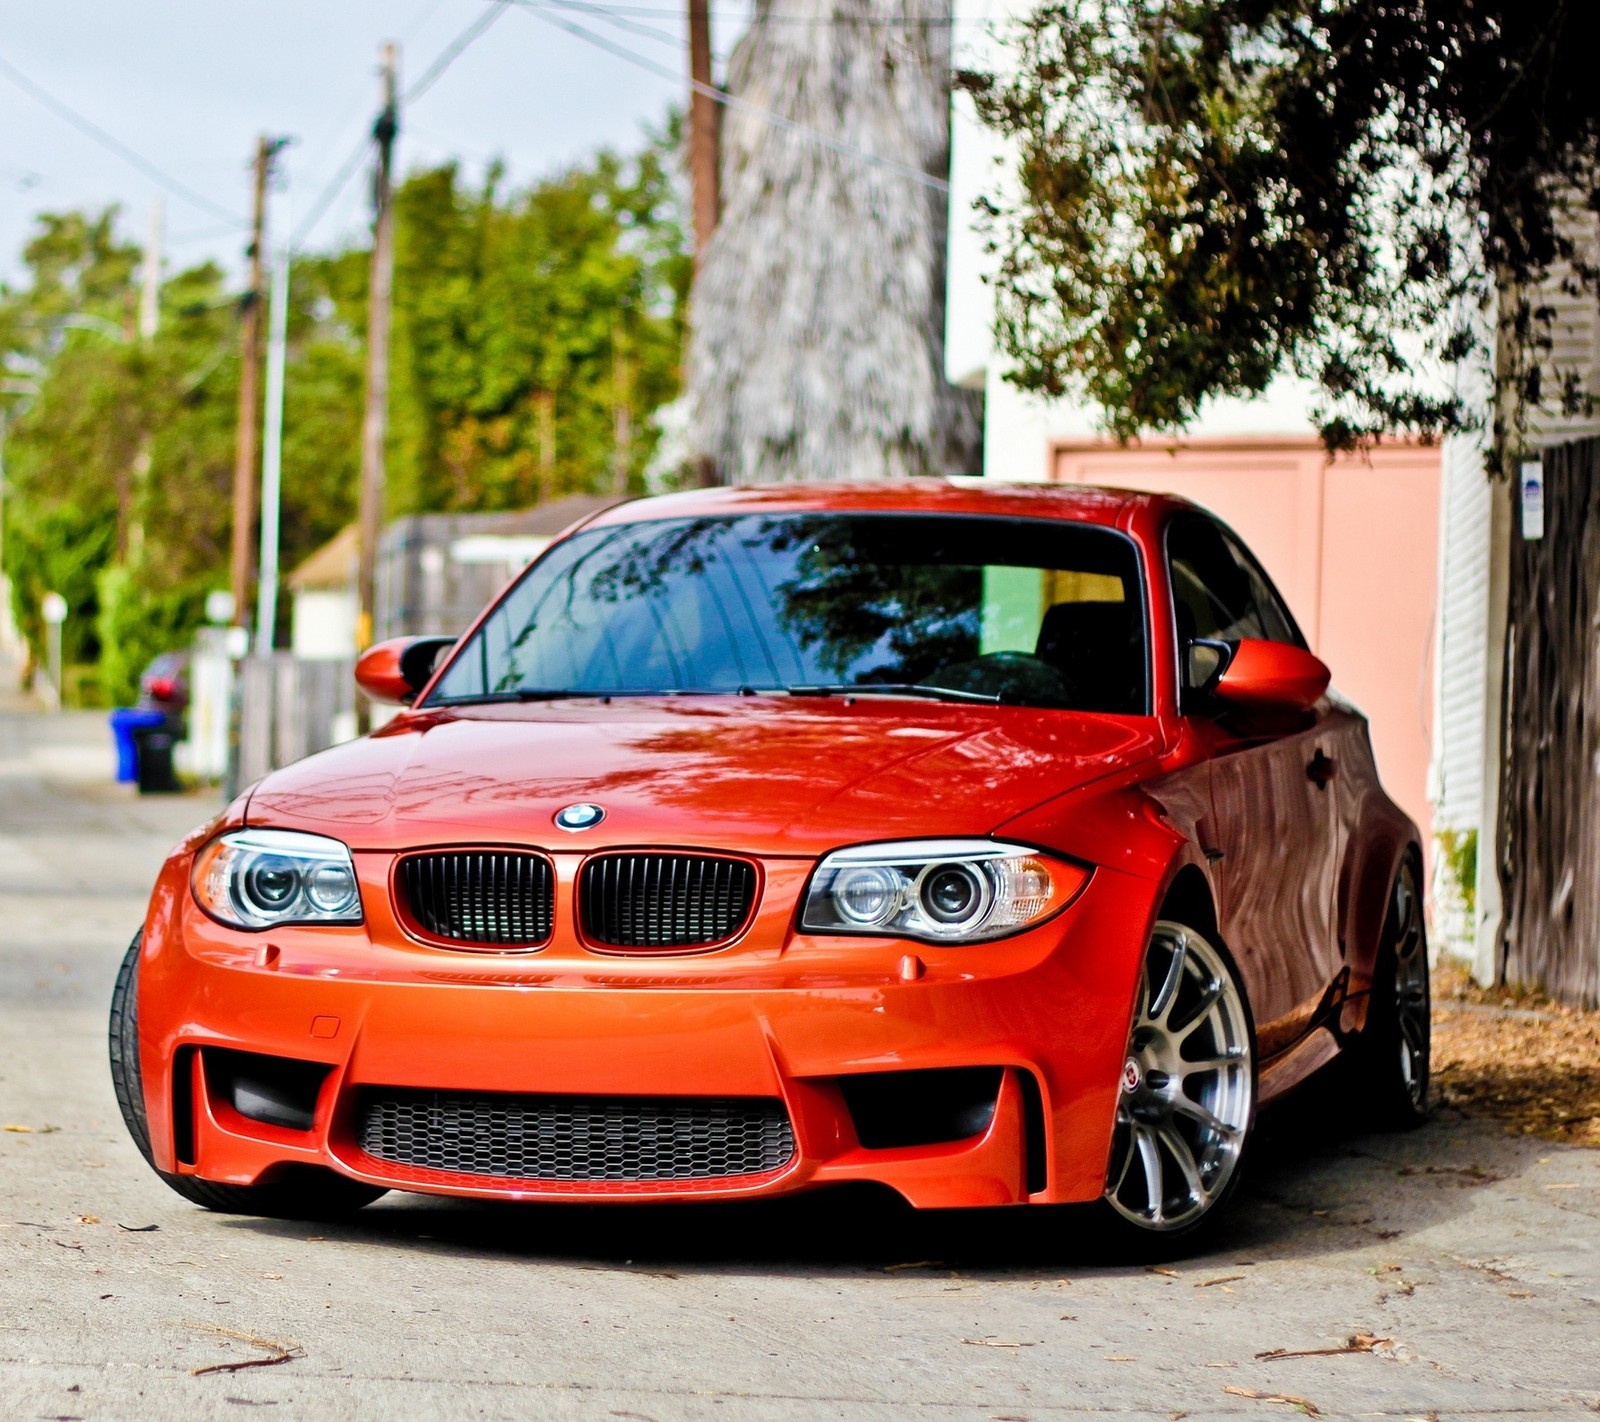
(1219, 593)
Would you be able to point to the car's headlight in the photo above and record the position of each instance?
(265, 878)
(944, 891)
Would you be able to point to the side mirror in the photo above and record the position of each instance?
(1271, 676)
(396, 670)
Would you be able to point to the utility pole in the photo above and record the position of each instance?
(704, 123)
(244, 465)
(380, 293)
(272, 444)
(150, 277)
(130, 511)
(621, 408)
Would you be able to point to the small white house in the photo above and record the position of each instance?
(325, 606)
(435, 572)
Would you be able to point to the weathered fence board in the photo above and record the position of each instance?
(290, 708)
(1549, 841)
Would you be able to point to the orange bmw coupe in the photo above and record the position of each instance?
(1002, 845)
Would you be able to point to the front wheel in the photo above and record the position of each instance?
(306, 1193)
(1187, 1101)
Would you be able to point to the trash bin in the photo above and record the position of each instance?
(125, 720)
(153, 756)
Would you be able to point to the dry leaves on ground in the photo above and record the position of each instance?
(277, 1352)
(1001, 1342)
(1305, 1405)
(1523, 1059)
(1355, 1343)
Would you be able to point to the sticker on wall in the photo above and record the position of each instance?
(1532, 500)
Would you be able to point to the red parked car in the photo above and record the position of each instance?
(997, 844)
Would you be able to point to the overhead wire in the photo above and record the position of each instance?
(616, 15)
(92, 130)
(452, 51)
(430, 76)
(618, 20)
(325, 199)
(817, 21)
(204, 234)
(541, 9)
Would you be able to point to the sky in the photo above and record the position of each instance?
(189, 84)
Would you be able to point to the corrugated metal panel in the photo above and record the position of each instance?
(1463, 618)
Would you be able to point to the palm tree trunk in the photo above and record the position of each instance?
(816, 345)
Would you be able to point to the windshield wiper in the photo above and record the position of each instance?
(894, 688)
(532, 693)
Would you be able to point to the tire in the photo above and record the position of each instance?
(1392, 1057)
(304, 1192)
(1186, 1110)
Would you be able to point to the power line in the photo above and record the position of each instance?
(204, 234)
(93, 130)
(324, 199)
(657, 12)
(617, 18)
(540, 9)
(430, 76)
(448, 55)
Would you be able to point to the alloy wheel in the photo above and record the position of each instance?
(1188, 1086)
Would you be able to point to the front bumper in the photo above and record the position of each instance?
(776, 1015)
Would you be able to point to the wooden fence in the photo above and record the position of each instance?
(290, 707)
(1549, 840)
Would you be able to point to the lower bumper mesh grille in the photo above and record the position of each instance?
(619, 1138)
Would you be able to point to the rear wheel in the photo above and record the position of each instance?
(1187, 1100)
(1393, 1055)
(307, 1193)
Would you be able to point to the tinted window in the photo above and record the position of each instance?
(1219, 591)
(1026, 610)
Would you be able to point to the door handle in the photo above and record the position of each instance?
(1321, 769)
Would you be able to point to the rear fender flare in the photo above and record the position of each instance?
(1365, 881)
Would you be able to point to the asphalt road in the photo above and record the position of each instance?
(1474, 1256)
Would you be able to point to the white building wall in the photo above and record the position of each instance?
(1463, 614)
(323, 623)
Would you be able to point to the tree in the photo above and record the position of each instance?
(817, 341)
(1213, 192)
(524, 320)
(521, 321)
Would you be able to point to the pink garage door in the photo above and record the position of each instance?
(1353, 544)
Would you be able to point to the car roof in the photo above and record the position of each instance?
(1079, 503)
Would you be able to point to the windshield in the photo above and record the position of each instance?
(1021, 611)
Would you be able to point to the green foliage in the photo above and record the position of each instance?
(135, 623)
(1460, 850)
(523, 320)
(1213, 192)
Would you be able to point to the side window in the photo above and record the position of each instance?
(1277, 623)
(1219, 593)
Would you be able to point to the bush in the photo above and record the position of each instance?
(135, 625)
(1460, 850)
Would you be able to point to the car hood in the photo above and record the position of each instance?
(759, 774)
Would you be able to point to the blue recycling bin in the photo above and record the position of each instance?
(125, 720)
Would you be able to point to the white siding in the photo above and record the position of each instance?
(1463, 611)
(1574, 344)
